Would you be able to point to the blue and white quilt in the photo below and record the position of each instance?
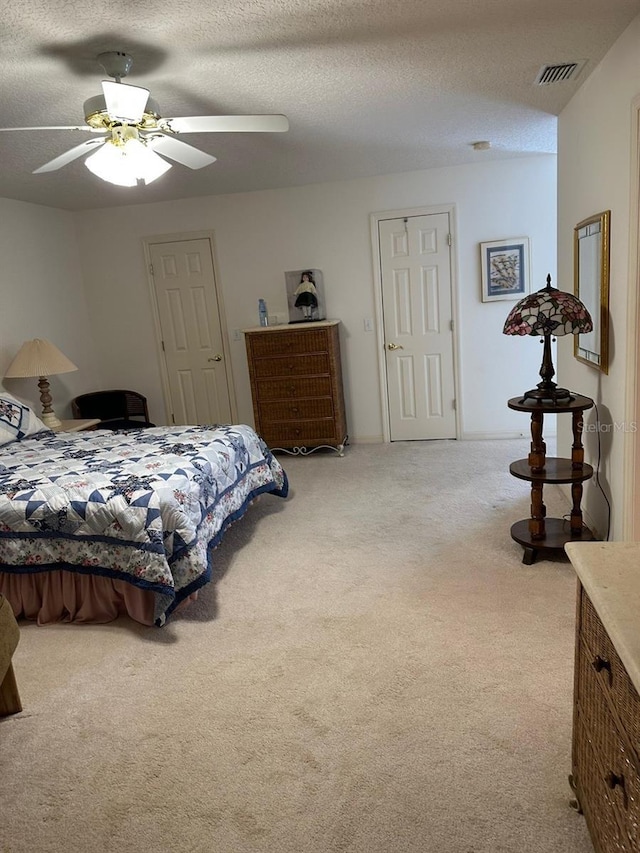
(147, 506)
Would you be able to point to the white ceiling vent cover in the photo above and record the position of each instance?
(559, 73)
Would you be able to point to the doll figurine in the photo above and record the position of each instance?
(306, 295)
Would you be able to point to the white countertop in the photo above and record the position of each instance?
(610, 575)
(291, 327)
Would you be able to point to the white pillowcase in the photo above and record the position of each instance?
(17, 420)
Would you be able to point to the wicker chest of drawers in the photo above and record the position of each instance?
(606, 726)
(296, 386)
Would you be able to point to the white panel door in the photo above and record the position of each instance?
(415, 262)
(186, 296)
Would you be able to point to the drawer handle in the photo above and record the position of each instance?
(599, 664)
(613, 781)
(295, 410)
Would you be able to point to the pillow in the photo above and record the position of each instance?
(17, 420)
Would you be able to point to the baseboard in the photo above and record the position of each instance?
(466, 436)
(492, 436)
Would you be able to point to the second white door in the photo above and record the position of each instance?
(415, 263)
(192, 343)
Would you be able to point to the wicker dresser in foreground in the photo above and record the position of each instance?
(606, 725)
(296, 386)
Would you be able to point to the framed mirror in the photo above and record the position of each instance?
(591, 286)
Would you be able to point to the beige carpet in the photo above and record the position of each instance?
(374, 670)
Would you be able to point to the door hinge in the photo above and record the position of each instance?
(451, 326)
(449, 240)
(162, 342)
(173, 418)
(454, 405)
(151, 267)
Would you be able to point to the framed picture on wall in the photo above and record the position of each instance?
(505, 269)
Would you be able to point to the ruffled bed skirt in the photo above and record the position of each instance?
(62, 596)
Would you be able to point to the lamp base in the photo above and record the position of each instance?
(48, 416)
(51, 420)
(549, 394)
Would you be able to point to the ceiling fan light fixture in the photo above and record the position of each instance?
(126, 162)
(146, 165)
(106, 164)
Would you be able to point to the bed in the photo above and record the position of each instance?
(96, 524)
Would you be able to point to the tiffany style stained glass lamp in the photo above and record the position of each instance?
(547, 313)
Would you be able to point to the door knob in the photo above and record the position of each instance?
(215, 358)
(394, 346)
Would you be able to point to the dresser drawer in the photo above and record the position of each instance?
(609, 743)
(592, 630)
(295, 365)
(292, 389)
(603, 807)
(613, 676)
(301, 431)
(277, 343)
(295, 410)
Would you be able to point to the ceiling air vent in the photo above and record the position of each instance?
(559, 73)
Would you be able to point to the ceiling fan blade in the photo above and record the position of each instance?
(124, 102)
(227, 124)
(69, 156)
(57, 127)
(179, 151)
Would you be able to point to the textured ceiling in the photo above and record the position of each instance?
(370, 87)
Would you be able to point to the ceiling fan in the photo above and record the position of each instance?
(132, 138)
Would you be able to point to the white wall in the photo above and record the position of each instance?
(326, 226)
(595, 174)
(43, 297)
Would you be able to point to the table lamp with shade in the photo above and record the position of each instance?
(41, 358)
(548, 313)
